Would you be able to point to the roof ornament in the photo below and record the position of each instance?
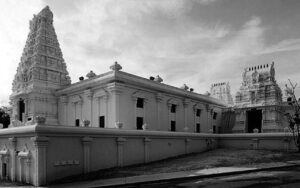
(184, 86)
(116, 67)
(158, 79)
(91, 74)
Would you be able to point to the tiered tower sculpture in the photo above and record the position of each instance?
(222, 91)
(41, 71)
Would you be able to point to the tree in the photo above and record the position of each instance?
(294, 119)
(4, 117)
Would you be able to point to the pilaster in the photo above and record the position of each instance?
(13, 144)
(187, 145)
(147, 143)
(116, 92)
(89, 112)
(40, 155)
(185, 103)
(159, 99)
(120, 144)
(86, 142)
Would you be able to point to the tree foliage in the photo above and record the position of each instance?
(294, 118)
(4, 117)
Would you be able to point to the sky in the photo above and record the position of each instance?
(196, 42)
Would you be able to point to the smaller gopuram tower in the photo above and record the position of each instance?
(41, 71)
(258, 101)
(222, 91)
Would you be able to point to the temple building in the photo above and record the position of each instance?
(222, 91)
(42, 88)
(259, 101)
(117, 119)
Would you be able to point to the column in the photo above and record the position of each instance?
(13, 142)
(89, 111)
(145, 111)
(159, 99)
(207, 107)
(106, 110)
(80, 104)
(64, 101)
(86, 142)
(40, 155)
(26, 101)
(194, 117)
(134, 99)
(98, 99)
(169, 116)
(263, 119)
(120, 145)
(147, 142)
(185, 106)
(116, 91)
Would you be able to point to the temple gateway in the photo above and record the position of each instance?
(259, 101)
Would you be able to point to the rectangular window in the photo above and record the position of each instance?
(173, 126)
(198, 112)
(140, 103)
(215, 115)
(198, 128)
(173, 108)
(214, 129)
(101, 121)
(139, 123)
(4, 170)
(77, 122)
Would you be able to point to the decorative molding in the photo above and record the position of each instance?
(76, 99)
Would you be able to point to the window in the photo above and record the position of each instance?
(101, 121)
(198, 128)
(140, 103)
(214, 129)
(173, 126)
(198, 112)
(77, 122)
(139, 123)
(173, 108)
(4, 170)
(215, 115)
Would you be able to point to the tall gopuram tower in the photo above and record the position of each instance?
(222, 91)
(259, 101)
(41, 71)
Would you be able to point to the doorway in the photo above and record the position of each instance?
(254, 120)
(4, 170)
(21, 109)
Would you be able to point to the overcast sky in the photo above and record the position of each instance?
(197, 42)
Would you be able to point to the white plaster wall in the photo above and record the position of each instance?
(90, 107)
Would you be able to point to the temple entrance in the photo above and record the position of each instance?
(254, 119)
(21, 109)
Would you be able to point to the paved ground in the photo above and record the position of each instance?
(285, 177)
(205, 160)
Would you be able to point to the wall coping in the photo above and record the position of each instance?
(95, 131)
